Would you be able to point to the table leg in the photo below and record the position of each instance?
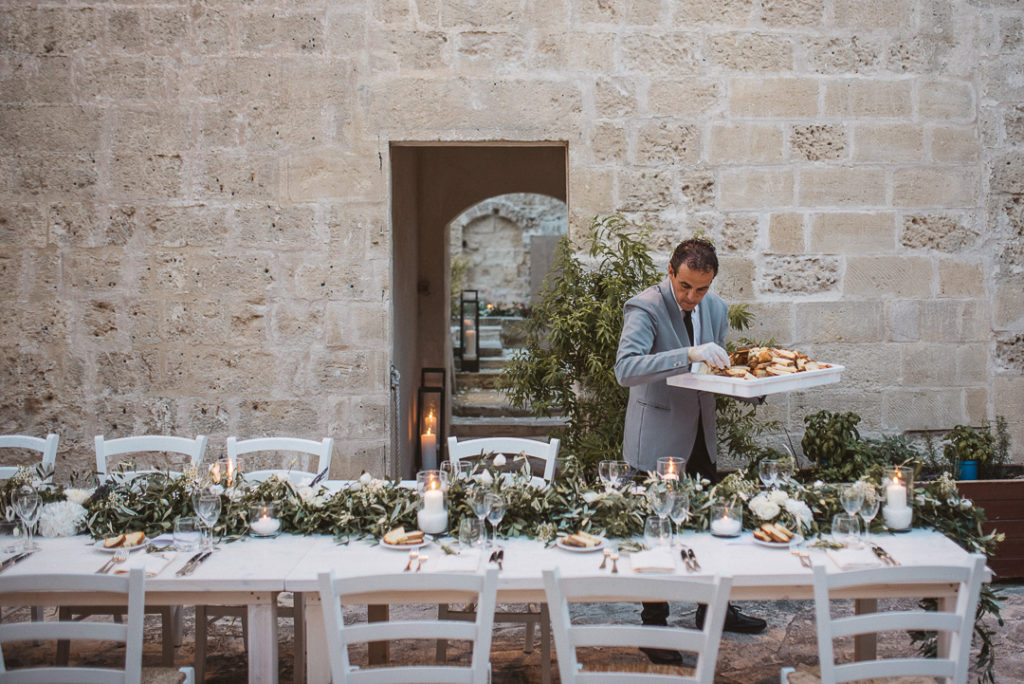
(865, 646)
(263, 642)
(318, 666)
(378, 650)
(299, 613)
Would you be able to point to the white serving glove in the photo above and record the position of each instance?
(711, 354)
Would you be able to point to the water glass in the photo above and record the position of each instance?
(26, 502)
(869, 506)
(188, 534)
(207, 506)
(478, 501)
(495, 512)
(846, 529)
(10, 540)
(851, 495)
(657, 531)
(680, 510)
(471, 533)
(660, 496)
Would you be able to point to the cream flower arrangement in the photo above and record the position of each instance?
(61, 519)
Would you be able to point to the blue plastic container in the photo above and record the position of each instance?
(968, 470)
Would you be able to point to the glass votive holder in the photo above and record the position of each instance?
(671, 467)
(11, 540)
(898, 498)
(263, 520)
(726, 519)
(432, 511)
(224, 471)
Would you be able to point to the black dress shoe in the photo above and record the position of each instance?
(735, 621)
(663, 656)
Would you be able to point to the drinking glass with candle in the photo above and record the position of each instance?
(432, 516)
(263, 521)
(726, 519)
(670, 468)
(898, 498)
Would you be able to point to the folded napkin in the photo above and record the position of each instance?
(153, 563)
(464, 561)
(854, 559)
(653, 560)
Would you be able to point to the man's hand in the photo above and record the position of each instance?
(711, 354)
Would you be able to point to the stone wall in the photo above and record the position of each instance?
(194, 203)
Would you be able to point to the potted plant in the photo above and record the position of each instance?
(969, 451)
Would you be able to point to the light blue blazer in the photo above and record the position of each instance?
(662, 420)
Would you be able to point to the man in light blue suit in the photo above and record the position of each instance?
(666, 328)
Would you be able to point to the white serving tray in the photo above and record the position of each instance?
(738, 387)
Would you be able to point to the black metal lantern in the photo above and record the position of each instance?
(469, 331)
(430, 433)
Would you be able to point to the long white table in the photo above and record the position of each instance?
(252, 572)
(758, 573)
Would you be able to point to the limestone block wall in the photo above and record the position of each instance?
(194, 196)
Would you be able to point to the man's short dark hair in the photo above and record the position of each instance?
(697, 253)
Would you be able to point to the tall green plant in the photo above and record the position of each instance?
(572, 335)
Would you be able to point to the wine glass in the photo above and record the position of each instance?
(25, 500)
(617, 471)
(846, 529)
(478, 502)
(869, 506)
(604, 473)
(851, 496)
(660, 496)
(656, 531)
(495, 512)
(768, 471)
(786, 467)
(207, 505)
(680, 510)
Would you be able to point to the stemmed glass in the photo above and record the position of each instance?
(495, 512)
(786, 467)
(207, 505)
(680, 510)
(768, 471)
(851, 496)
(478, 502)
(661, 495)
(26, 501)
(869, 506)
(611, 473)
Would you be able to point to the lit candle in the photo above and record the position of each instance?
(725, 526)
(428, 449)
(670, 474)
(896, 493)
(266, 525)
(470, 352)
(433, 500)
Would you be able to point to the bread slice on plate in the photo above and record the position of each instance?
(399, 537)
(134, 538)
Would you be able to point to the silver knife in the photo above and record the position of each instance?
(188, 566)
(15, 559)
(200, 561)
(884, 555)
(693, 558)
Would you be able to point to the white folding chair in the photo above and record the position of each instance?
(132, 586)
(561, 591)
(296, 456)
(47, 448)
(953, 621)
(192, 450)
(413, 588)
(546, 452)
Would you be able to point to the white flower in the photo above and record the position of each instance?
(698, 487)
(365, 478)
(78, 496)
(818, 484)
(234, 494)
(591, 496)
(484, 478)
(499, 460)
(800, 511)
(778, 496)
(60, 519)
(216, 489)
(763, 507)
(966, 504)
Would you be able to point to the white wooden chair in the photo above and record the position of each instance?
(47, 448)
(561, 591)
(191, 449)
(954, 622)
(413, 588)
(302, 454)
(132, 586)
(290, 452)
(546, 452)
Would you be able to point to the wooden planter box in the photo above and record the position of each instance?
(1002, 501)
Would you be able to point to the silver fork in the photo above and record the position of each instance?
(120, 556)
(615, 563)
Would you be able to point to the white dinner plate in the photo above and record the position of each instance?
(580, 549)
(403, 547)
(797, 539)
(99, 546)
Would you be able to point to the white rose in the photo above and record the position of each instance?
(800, 511)
(484, 478)
(78, 496)
(966, 504)
(365, 478)
(763, 508)
(60, 519)
(499, 460)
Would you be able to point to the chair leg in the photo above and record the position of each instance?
(168, 627)
(441, 651)
(299, 643)
(63, 646)
(199, 661)
(179, 625)
(545, 644)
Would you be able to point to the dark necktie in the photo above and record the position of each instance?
(688, 320)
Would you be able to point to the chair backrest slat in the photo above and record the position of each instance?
(47, 448)
(322, 451)
(509, 446)
(193, 448)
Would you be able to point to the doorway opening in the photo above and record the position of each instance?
(432, 185)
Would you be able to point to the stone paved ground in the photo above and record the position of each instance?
(742, 659)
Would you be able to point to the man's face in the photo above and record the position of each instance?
(689, 286)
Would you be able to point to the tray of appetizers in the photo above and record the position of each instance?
(756, 371)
